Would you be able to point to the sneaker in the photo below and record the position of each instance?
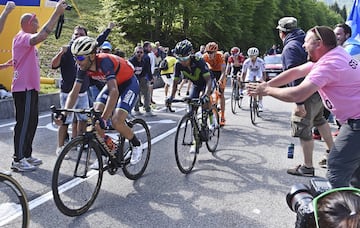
(222, 122)
(316, 137)
(136, 154)
(323, 163)
(149, 114)
(22, 166)
(302, 170)
(58, 151)
(34, 161)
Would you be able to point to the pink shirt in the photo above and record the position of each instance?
(26, 64)
(338, 77)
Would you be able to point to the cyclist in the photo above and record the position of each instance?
(234, 64)
(120, 92)
(216, 62)
(196, 70)
(254, 70)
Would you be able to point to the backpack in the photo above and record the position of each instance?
(163, 65)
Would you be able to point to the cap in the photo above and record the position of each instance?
(106, 45)
(286, 24)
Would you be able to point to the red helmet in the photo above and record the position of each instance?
(212, 46)
(235, 50)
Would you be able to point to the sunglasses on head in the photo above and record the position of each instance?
(80, 57)
(322, 195)
(183, 59)
(315, 30)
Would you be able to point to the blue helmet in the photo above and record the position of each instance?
(183, 48)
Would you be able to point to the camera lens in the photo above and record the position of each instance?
(299, 195)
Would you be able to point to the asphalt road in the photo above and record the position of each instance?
(243, 184)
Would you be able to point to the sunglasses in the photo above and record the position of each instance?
(183, 59)
(317, 33)
(33, 16)
(316, 199)
(139, 52)
(80, 57)
(210, 52)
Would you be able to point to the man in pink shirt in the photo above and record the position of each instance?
(335, 75)
(26, 85)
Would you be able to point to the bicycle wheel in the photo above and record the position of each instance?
(184, 140)
(234, 97)
(74, 185)
(14, 208)
(241, 96)
(214, 130)
(252, 109)
(141, 129)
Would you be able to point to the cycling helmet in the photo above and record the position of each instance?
(212, 46)
(183, 48)
(83, 45)
(235, 50)
(253, 51)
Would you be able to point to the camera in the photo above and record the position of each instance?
(68, 7)
(300, 198)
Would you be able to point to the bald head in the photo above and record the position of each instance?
(29, 23)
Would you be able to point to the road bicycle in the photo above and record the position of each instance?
(236, 97)
(192, 130)
(14, 208)
(254, 106)
(75, 183)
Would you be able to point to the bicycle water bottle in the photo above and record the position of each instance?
(291, 150)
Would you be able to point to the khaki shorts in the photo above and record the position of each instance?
(302, 126)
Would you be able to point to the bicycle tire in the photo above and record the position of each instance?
(14, 208)
(252, 110)
(234, 94)
(141, 129)
(214, 131)
(75, 185)
(184, 139)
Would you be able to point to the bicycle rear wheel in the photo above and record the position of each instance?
(184, 139)
(253, 109)
(234, 97)
(141, 129)
(214, 130)
(14, 209)
(74, 185)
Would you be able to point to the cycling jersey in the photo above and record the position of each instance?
(109, 66)
(197, 72)
(236, 60)
(254, 70)
(216, 63)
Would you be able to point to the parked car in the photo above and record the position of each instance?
(273, 66)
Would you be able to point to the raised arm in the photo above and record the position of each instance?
(10, 5)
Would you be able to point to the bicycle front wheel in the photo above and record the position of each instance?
(253, 107)
(142, 132)
(214, 130)
(75, 185)
(234, 97)
(14, 209)
(185, 144)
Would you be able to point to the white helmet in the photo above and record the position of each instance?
(253, 51)
(83, 45)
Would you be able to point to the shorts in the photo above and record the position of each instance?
(82, 102)
(302, 126)
(168, 79)
(258, 78)
(129, 92)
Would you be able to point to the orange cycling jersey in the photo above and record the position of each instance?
(117, 68)
(216, 63)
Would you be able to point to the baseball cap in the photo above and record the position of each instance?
(106, 45)
(286, 24)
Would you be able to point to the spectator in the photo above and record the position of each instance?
(307, 113)
(26, 85)
(106, 47)
(10, 5)
(119, 52)
(142, 68)
(68, 68)
(273, 50)
(329, 64)
(201, 51)
(168, 74)
(148, 52)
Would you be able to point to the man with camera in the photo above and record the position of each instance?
(335, 75)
